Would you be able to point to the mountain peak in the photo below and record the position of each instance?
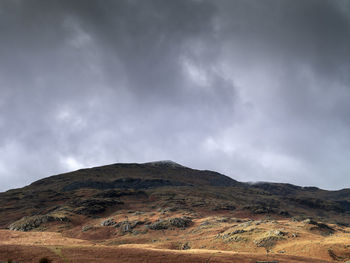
(168, 163)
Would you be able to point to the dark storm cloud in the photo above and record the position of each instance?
(258, 90)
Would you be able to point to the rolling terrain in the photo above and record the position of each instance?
(165, 212)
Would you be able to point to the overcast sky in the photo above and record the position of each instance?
(258, 90)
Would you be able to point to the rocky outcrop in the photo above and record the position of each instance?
(270, 239)
(93, 206)
(179, 222)
(234, 236)
(322, 228)
(128, 226)
(108, 222)
(124, 226)
(159, 225)
(31, 222)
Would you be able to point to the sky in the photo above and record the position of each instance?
(258, 90)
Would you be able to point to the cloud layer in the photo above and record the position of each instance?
(257, 90)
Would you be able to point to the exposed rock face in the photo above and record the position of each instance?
(93, 206)
(31, 222)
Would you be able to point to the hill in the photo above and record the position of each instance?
(164, 205)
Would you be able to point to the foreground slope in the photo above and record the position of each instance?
(70, 250)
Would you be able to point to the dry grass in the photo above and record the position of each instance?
(292, 242)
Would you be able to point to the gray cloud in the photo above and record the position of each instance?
(256, 90)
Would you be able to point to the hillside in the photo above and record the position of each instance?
(164, 205)
(95, 190)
